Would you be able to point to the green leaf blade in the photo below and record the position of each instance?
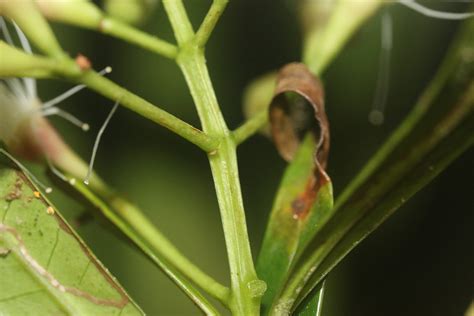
(45, 268)
(291, 227)
(435, 133)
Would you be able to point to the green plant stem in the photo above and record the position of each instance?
(86, 15)
(210, 21)
(148, 239)
(139, 105)
(134, 36)
(133, 219)
(226, 180)
(159, 243)
(250, 127)
(223, 163)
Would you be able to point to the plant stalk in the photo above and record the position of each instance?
(245, 295)
(223, 162)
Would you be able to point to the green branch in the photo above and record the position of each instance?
(139, 105)
(85, 14)
(250, 127)
(135, 226)
(210, 21)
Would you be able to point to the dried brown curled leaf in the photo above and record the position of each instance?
(298, 107)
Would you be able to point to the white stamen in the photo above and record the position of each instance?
(376, 115)
(23, 40)
(72, 91)
(16, 87)
(63, 96)
(97, 141)
(55, 171)
(5, 31)
(23, 168)
(29, 82)
(434, 13)
(67, 116)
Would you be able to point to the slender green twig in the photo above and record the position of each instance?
(85, 14)
(135, 36)
(137, 104)
(210, 21)
(250, 127)
(223, 163)
(165, 254)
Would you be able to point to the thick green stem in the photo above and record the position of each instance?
(245, 299)
(132, 35)
(224, 168)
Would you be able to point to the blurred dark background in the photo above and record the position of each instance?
(420, 262)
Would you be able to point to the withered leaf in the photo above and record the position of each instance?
(304, 200)
(298, 107)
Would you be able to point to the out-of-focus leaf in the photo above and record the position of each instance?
(437, 131)
(45, 268)
(304, 200)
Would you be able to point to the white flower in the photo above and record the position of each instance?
(24, 128)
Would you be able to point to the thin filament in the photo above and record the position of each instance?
(30, 83)
(67, 116)
(376, 115)
(97, 141)
(58, 173)
(434, 13)
(5, 31)
(71, 91)
(23, 168)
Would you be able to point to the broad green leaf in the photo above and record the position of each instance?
(438, 130)
(45, 268)
(293, 222)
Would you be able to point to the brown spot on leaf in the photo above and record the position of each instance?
(301, 205)
(15, 193)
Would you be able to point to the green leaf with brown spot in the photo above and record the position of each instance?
(435, 133)
(304, 200)
(45, 268)
(295, 218)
